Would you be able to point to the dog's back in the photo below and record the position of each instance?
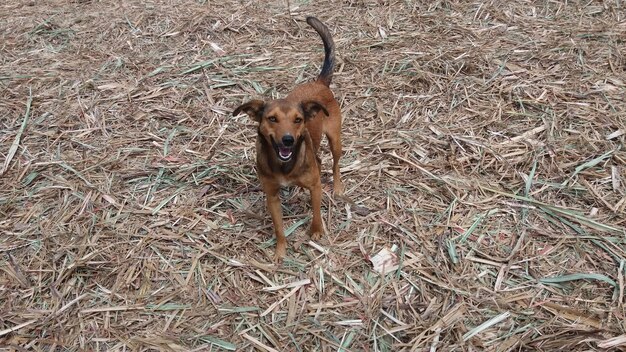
(318, 125)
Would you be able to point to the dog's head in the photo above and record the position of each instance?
(282, 123)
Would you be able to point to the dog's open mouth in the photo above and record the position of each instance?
(284, 153)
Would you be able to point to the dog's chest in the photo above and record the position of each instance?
(284, 182)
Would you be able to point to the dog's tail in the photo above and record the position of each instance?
(326, 75)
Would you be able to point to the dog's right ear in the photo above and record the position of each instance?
(253, 108)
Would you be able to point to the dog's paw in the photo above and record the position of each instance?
(278, 258)
(338, 189)
(316, 234)
(280, 253)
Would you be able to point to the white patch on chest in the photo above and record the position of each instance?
(283, 182)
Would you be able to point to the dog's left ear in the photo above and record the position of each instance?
(253, 108)
(311, 108)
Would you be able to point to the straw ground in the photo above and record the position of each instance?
(483, 143)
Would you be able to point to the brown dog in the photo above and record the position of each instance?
(290, 132)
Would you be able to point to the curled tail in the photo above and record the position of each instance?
(326, 75)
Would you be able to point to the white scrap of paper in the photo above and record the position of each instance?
(385, 261)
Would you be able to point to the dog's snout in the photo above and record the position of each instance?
(288, 140)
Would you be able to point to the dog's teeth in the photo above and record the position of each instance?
(284, 153)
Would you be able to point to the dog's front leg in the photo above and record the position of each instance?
(317, 227)
(273, 205)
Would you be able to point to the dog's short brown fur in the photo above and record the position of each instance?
(289, 136)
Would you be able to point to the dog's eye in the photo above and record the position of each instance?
(298, 120)
(272, 119)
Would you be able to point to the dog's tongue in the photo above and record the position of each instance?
(284, 152)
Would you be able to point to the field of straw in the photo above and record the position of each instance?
(483, 149)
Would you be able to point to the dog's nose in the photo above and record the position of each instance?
(288, 140)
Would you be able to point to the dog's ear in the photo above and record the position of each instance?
(253, 108)
(311, 108)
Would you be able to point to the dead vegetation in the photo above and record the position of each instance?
(483, 144)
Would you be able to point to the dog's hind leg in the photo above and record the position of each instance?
(334, 141)
(317, 227)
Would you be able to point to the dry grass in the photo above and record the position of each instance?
(483, 141)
